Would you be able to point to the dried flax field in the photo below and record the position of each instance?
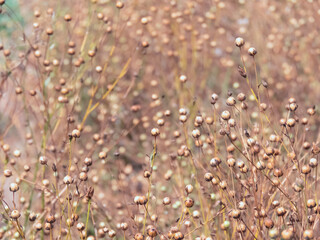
(159, 120)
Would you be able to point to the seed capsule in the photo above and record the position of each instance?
(183, 78)
(155, 132)
(152, 232)
(252, 51)
(166, 201)
(208, 177)
(189, 202)
(311, 203)
(225, 115)
(67, 17)
(178, 236)
(239, 42)
(313, 162)
(67, 180)
(235, 213)
(305, 169)
(43, 160)
(268, 223)
(15, 214)
(138, 236)
(102, 155)
(214, 162)
(231, 101)
(196, 133)
(189, 188)
(119, 4)
(308, 234)
(281, 211)
(287, 234)
(7, 173)
(14, 187)
(75, 133)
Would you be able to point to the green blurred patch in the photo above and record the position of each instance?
(11, 11)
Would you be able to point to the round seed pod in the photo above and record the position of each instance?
(235, 213)
(277, 172)
(32, 216)
(146, 174)
(231, 101)
(241, 97)
(67, 180)
(75, 133)
(124, 226)
(239, 42)
(103, 155)
(83, 176)
(119, 5)
(208, 177)
(311, 203)
(311, 219)
(99, 69)
(231, 162)
(225, 225)
(244, 106)
(196, 133)
(273, 233)
(189, 202)
(88, 161)
(142, 200)
(281, 211)
(138, 236)
(261, 165)
(166, 201)
(183, 78)
(14, 187)
(293, 107)
(240, 164)
(252, 51)
(111, 233)
(241, 227)
(242, 205)
(214, 97)
(50, 218)
(67, 17)
(43, 160)
(214, 162)
(155, 132)
(223, 185)
(304, 121)
(225, 115)
(287, 234)
(311, 111)
(49, 31)
(291, 122)
(152, 232)
(7, 173)
(313, 162)
(275, 203)
(15, 214)
(268, 223)
(178, 236)
(209, 120)
(306, 146)
(189, 189)
(38, 226)
(91, 53)
(308, 234)
(305, 169)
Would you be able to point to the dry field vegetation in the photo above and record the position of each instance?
(149, 119)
